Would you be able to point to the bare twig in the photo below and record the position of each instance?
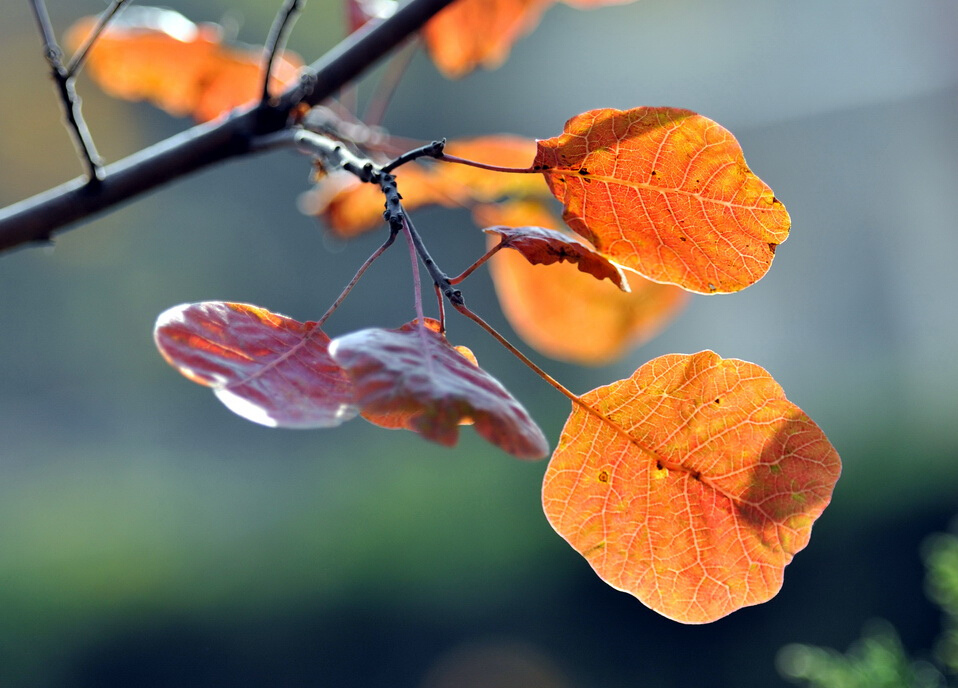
(276, 41)
(76, 62)
(36, 219)
(69, 100)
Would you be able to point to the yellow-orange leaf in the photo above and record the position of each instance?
(349, 207)
(667, 193)
(566, 314)
(473, 33)
(159, 55)
(690, 484)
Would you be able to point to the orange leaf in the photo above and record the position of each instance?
(690, 484)
(667, 193)
(473, 33)
(413, 371)
(566, 314)
(349, 207)
(160, 56)
(267, 368)
(541, 246)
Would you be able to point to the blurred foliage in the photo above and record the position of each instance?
(878, 659)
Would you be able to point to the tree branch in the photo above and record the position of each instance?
(38, 218)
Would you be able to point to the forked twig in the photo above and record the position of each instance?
(69, 100)
(76, 62)
(276, 41)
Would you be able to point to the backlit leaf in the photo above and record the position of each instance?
(349, 207)
(566, 314)
(413, 371)
(268, 368)
(690, 484)
(358, 12)
(403, 417)
(667, 193)
(479, 33)
(541, 246)
(159, 55)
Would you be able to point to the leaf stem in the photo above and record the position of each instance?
(76, 62)
(414, 259)
(482, 259)
(69, 100)
(359, 273)
(445, 157)
(430, 150)
(518, 354)
(276, 40)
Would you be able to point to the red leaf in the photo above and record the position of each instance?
(267, 368)
(541, 246)
(667, 193)
(415, 372)
(690, 484)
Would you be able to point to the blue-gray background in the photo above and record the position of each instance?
(149, 537)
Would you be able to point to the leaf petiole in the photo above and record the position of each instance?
(359, 273)
(482, 259)
(445, 157)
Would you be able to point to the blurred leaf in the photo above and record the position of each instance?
(159, 55)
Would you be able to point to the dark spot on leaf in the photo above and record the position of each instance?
(718, 400)
(696, 475)
(583, 171)
(654, 173)
(772, 247)
(603, 476)
(658, 464)
(682, 239)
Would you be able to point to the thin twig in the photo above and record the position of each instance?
(69, 100)
(276, 41)
(36, 219)
(442, 309)
(430, 150)
(359, 273)
(76, 62)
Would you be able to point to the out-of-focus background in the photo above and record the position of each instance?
(149, 537)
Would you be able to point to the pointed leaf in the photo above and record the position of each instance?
(473, 33)
(566, 314)
(159, 55)
(541, 246)
(690, 484)
(667, 193)
(268, 368)
(415, 372)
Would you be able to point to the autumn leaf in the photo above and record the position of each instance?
(184, 68)
(403, 417)
(541, 246)
(413, 371)
(691, 484)
(566, 314)
(267, 368)
(667, 193)
(479, 33)
(349, 207)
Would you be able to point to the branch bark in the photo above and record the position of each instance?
(38, 218)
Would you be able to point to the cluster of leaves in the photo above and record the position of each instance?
(690, 484)
(878, 659)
